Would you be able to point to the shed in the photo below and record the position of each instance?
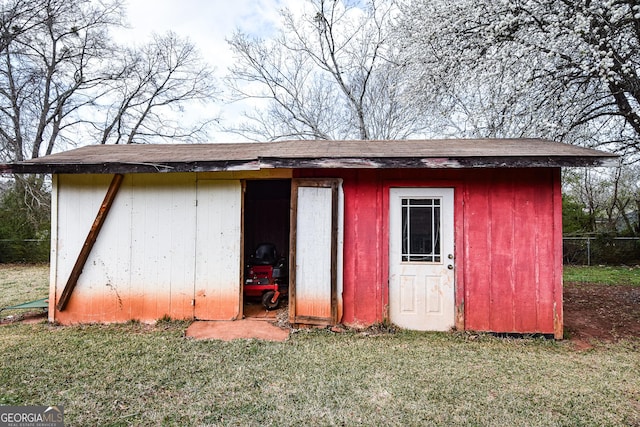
(427, 234)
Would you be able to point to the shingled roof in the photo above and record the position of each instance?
(435, 153)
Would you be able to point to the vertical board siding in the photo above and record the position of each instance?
(218, 242)
(526, 243)
(313, 252)
(500, 227)
(365, 252)
(477, 258)
(141, 266)
(508, 257)
(361, 292)
(162, 243)
(79, 198)
(158, 251)
(509, 253)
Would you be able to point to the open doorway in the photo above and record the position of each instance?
(266, 247)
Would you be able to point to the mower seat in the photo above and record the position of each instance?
(265, 254)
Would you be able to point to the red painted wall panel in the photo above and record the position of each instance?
(527, 236)
(508, 245)
(476, 255)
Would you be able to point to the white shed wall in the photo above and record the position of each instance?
(143, 265)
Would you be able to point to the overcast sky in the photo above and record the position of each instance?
(207, 23)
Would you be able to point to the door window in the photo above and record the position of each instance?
(421, 230)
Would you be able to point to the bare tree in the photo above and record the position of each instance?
(64, 81)
(329, 74)
(42, 71)
(17, 18)
(157, 78)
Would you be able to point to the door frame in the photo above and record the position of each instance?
(437, 268)
(336, 229)
(459, 194)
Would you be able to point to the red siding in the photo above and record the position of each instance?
(363, 248)
(508, 245)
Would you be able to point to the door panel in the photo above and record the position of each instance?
(421, 258)
(314, 251)
(217, 285)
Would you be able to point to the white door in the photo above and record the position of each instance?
(421, 258)
(315, 264)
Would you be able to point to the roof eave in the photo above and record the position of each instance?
(311, 163)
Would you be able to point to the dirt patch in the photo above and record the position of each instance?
(605, 313)
(237, 329)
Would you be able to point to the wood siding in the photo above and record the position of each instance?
(507, 236)
(143, 265)
(154, 248)
(316, 248)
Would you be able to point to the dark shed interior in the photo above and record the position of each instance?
(266, 214)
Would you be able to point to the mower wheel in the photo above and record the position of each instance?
(267, 303)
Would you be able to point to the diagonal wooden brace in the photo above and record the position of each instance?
(90, 240)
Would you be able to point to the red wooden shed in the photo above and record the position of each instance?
(429, 234)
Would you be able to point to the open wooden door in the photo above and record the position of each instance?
(316, 226)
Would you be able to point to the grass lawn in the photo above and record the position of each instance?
(133, 374)
(607, 275)
(21, 283)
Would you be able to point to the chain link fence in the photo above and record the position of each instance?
(601, 250)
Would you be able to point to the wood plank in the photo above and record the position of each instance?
(90, 241)
(478, 261)
(218, 246)
(528, 208)
(313, 253)
(502, 231)
(558, 315)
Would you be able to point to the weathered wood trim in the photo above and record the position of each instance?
(333, 184)
(311, 320)
(243, 262)
(558, 309)
(436, 162)
(293, 230)
(90, 240)
(452, 162)
(334, 251)
(53, 263)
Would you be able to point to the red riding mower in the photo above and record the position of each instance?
(266, 276)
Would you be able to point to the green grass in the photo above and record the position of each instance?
(603, 274)
(21, 283)
(134, 374)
